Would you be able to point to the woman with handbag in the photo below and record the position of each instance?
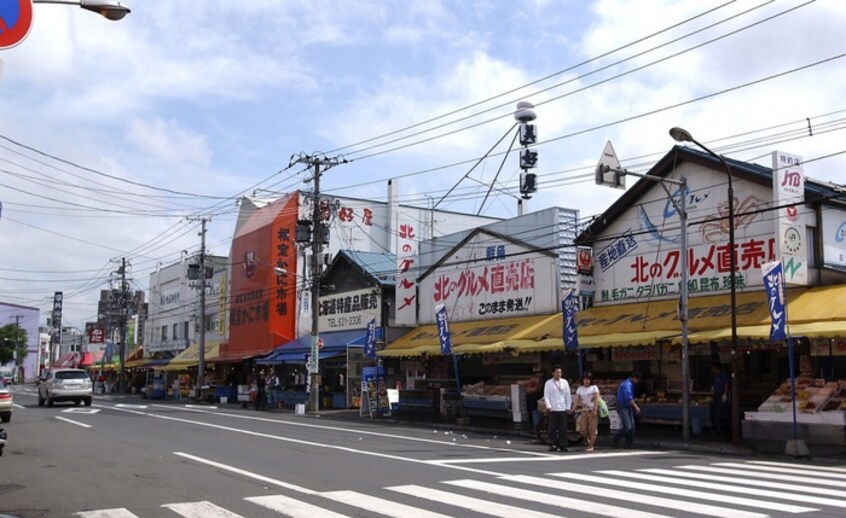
(588, 397)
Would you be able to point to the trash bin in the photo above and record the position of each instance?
(696, 424)
(299, 408)
(224, 400)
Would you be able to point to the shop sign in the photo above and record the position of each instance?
(96, 334)
(350, 310)
(474, 284)
(834, 237)
(508, 357)
(638, 257)
(584, 261)
(651, 352)
(406, 279)
(176, 344)
(822, 347)
(789, 195)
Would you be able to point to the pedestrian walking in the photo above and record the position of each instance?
(587, 395)
(556, 395)
(627, 409)
(272, 386)
(261, 394)
(720, 408)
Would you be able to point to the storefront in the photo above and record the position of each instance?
(341, 355)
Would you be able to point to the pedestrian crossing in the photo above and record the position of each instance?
(750, 489)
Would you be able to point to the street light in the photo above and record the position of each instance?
(110, 9)
(682, 135)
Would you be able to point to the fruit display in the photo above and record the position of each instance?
(812, 396)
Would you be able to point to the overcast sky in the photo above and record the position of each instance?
(206, 100)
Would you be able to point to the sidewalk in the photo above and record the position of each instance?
(647, 437)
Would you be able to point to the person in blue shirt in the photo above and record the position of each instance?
(627, 409)
(720, 408)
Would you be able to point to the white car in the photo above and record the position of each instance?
(65, 385)
(5, 403)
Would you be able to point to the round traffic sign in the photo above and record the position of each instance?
(15, 21)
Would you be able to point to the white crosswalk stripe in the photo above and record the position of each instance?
(770, 476)
(655, 488)
(587, 506)
(107, 513)
(202, 509)
(379, 505)
(796, 471)
(770, 484)
(466, 502)
(293, 507)
(807, 499)
(681, 505)
(706, 490)
(794, 465)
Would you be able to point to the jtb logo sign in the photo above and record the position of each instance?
(791, 179)
(15, 21)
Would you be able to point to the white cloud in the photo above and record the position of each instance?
(167, 140)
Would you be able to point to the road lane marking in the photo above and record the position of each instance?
(204, 509)
(808, 471)
(127, 405)
(680, 505)
(474, 504)
(771, 476)
(794, 465)
(81, 410)
(107, 513)
(18, 406)
(763, 504)
(386, 507)
(586, 506)
(578, 456)
(246, 473)
(202, 410)
(204, 407)
(293, 507)
(77, 423)
(769, 484)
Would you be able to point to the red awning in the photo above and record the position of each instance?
(66, 361)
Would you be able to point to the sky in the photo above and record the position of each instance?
(114, 135)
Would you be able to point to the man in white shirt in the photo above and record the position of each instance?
(556, 395)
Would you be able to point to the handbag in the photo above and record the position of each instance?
(601, 408)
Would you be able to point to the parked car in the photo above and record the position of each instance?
(7, 374)
(65, 385)
(6, 403)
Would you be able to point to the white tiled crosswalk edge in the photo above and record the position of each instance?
(379, 505)
(466, 502)
(107, 513)
(201, 509)
(293, 507)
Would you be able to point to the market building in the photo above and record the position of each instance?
(634, 325)
(270, 299)
(499, 284)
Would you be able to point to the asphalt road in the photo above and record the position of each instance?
(127, 457)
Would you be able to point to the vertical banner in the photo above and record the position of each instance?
(789, 197)
(370, 340)
(571, 334)
(406, 287)
(57, 316)
(222, 304)
(774, 286)
(443, 330)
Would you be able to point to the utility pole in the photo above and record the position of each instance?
(17, 350)
(201, 366)
(318, 234)
(123, 317)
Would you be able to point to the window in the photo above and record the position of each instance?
(185, 332)
(175, 331)
(164, 333)
(71, 375)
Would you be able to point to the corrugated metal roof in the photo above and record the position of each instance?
(381, 266)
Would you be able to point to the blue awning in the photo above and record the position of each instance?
(334, 344)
